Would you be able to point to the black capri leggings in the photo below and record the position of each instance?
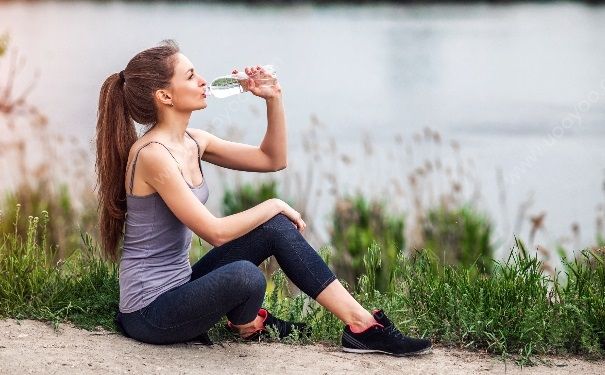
(227, 281)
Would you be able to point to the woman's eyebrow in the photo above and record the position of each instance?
(190, 70)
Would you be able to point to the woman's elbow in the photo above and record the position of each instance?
(216, 239)
(279, 166)
(217, 242)
(212, 234)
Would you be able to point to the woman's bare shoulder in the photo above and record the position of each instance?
(148, 157)
(138, 145)
(201, 136)
(148, 146)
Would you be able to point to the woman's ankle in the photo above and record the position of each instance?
(362, 323)
(248, 329)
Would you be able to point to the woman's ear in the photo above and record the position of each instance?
(164, 97)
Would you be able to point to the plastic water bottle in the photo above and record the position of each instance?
(225, 86)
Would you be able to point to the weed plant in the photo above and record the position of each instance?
(82, 289)
(63, 230)
(356, 223)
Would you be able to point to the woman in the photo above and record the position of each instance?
(152, 191)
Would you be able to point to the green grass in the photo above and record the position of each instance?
(518, 310)
(82, 289)
(356, 224)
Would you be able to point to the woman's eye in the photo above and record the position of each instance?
(190, 77)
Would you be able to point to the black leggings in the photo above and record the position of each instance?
(227, 281)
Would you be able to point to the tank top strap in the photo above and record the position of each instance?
(134, 162)
(199, 154)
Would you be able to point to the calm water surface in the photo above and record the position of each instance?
(521, 88)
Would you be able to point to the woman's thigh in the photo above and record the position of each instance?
(254, 246)
(236, 290)
(279, 237)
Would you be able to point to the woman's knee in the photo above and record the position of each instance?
(278, 223)
(248, 276)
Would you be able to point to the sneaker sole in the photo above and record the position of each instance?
(361, 351)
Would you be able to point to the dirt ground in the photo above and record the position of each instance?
(31, 347)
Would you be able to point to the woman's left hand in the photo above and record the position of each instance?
(265, 92)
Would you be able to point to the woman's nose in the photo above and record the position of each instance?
(202, 82)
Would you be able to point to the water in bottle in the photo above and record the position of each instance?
(222, 87)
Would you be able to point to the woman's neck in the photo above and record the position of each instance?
(172, 126)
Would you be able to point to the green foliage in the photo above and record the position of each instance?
(459, 236)
(61, 229)
(517, 310)
(248, 196)
(82, 288)
(583, 306)
(356, 224)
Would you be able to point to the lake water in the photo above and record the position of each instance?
(521, 88)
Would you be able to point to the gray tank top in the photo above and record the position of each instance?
(155, 255)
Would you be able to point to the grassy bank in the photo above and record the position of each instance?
(517, 310)
(82, 289)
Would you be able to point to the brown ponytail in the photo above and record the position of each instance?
(123, 101)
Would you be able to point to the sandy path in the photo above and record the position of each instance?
(34, 347)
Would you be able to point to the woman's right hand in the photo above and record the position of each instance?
(292, 214)
(255, 73)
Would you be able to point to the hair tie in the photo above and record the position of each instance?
(121, 74)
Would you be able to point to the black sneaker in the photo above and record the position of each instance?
(383, 338)
(282, 327)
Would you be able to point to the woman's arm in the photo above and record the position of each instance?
(274, 144)
(270, 156)
(162, 173)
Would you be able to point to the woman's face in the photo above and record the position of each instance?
(187, 86)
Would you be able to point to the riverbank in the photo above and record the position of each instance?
(36, 347)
